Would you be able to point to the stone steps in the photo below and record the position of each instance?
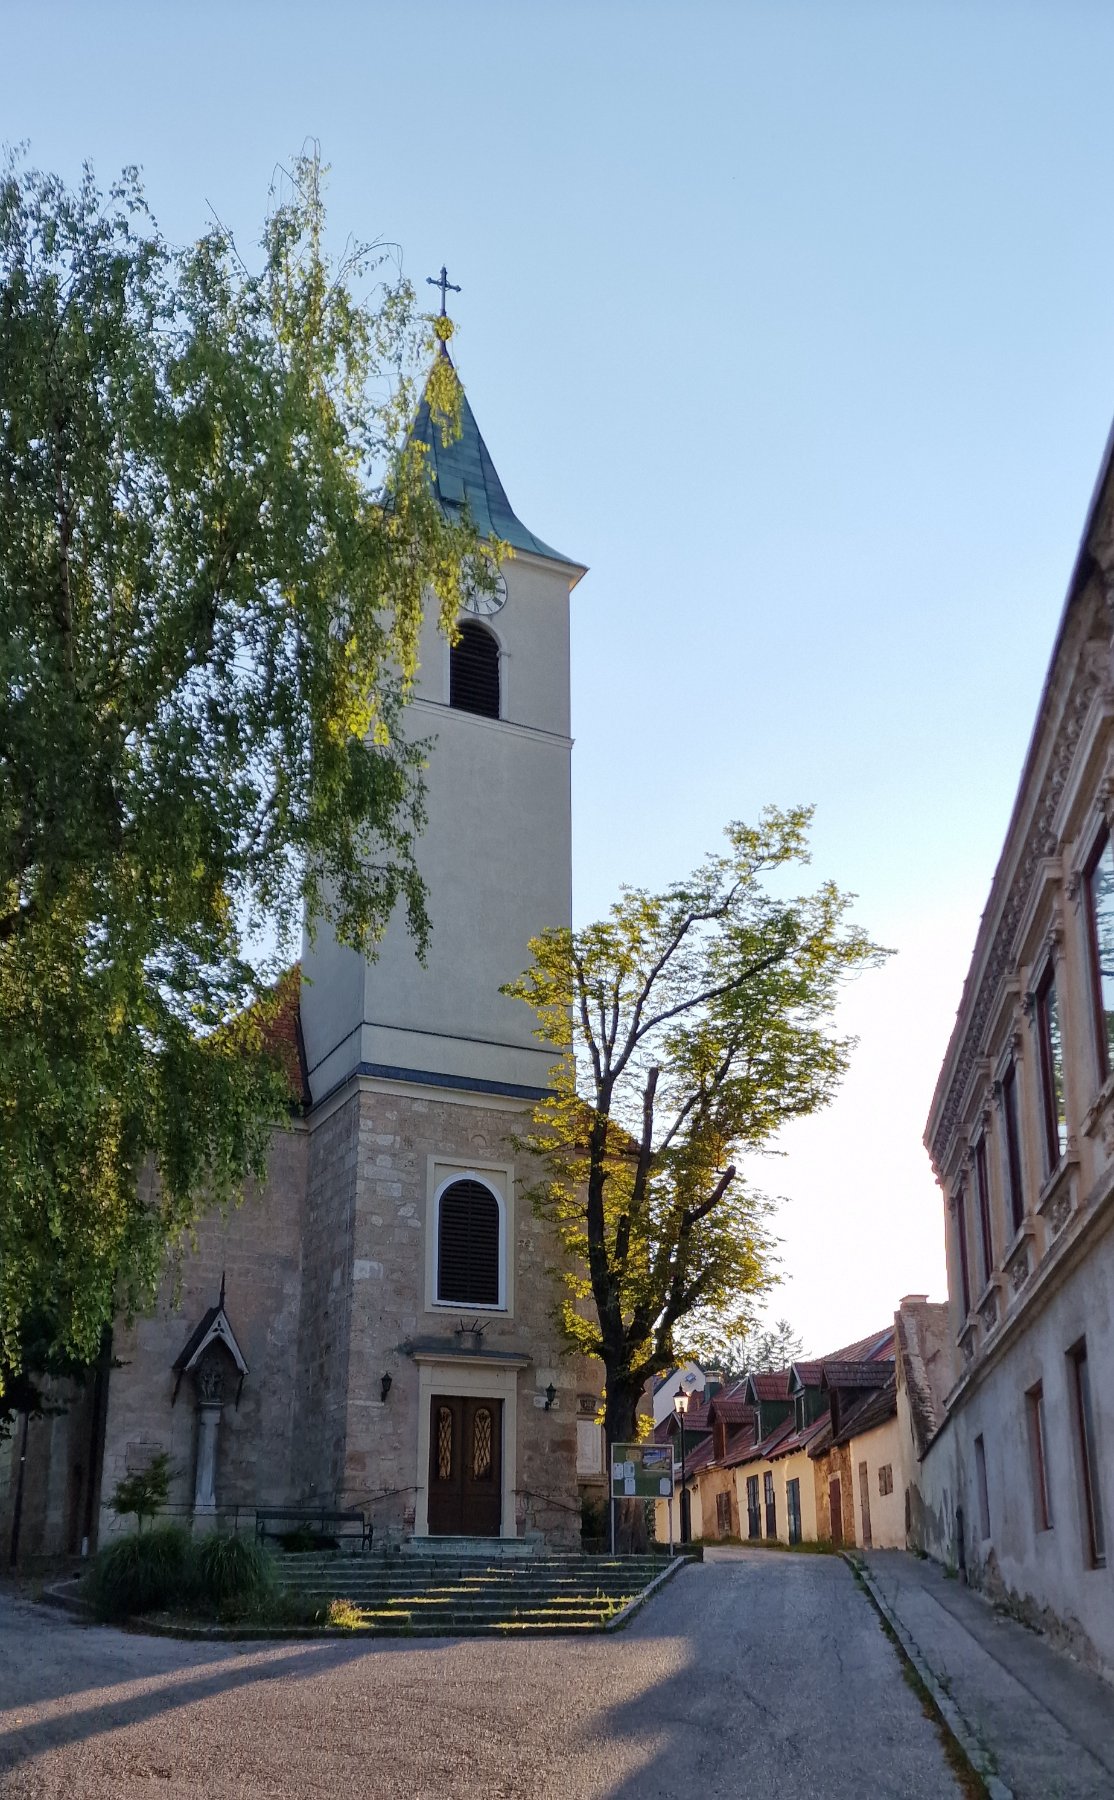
(445, 1565)
(489, 1549)
(469, 1596)
(483, 1602)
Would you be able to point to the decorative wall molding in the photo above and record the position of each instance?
(1017, 1268)
(1040, 843)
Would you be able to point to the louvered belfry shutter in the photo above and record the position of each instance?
(468, 1245)
(474, 672)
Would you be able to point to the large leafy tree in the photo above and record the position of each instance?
(691, 1026)
(215, 540)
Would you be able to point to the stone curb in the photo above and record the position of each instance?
(68, 1601)
(945, 1705)
(620, 1619)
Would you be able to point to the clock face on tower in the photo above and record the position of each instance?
(483, 605)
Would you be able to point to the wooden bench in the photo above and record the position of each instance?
(281, 1521)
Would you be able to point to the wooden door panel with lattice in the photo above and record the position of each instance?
(465, 1466)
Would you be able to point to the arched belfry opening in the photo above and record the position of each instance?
(474, 671)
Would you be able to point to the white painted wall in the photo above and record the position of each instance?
(878, 1448)
(1048, 1572)
(689, 1376)
(496, 857)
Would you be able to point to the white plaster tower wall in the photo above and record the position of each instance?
(496, 860)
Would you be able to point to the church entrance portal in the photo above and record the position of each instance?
(465, 1466)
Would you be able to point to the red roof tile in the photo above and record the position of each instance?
(846, 1374)
(879, 1343)
(697, 1456)
(761, 1452)
(805, 1374)
(696, 1418)
(875, 1410)
(730, 1409)
(770, 1384)
(282, 1034)
(823, 1439)
(801, 1440)
(740, 1448)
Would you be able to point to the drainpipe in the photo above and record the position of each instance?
(17, 1507)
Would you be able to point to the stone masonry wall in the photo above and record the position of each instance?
(326, 1290)
(323, 1346)
(366, 1301)
(256, 1247)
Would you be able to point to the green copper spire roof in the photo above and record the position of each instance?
(466, 478)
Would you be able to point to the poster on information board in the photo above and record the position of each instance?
(642, 1471)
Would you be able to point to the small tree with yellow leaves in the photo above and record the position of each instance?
(691, 1026)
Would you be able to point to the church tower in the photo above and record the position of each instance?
(433, 1389)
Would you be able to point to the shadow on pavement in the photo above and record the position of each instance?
(116, 1704)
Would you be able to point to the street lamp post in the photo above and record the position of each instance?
(680, 1407)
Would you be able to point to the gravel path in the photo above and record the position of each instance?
(757, 1673)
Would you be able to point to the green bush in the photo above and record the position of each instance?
(142, 1573)
(230, 1570)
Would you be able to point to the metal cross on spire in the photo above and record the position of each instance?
(442, 281)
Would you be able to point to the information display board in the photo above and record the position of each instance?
(642, 1471)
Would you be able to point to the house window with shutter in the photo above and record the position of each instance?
(1098, 889)
(982, 1193)
(1051, 1045)
(469, 1245)
(1012, 1130)
(964, 1259)
(474, 671)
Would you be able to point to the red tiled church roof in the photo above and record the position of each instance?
(282, 1035)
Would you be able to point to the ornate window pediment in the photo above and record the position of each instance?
(208, 1350)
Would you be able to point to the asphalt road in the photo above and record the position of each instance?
(759, 1674)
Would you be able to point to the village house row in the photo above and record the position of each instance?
(820, 1452)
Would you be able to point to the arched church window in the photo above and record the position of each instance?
(469, 1228)
(474, 671)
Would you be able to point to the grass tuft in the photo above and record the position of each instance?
(230, 1571)
(144, 1573)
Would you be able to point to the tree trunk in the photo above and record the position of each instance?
(620, 1427)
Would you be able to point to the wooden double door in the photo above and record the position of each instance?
(465, 1466)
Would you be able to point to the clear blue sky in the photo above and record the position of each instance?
(795, 322)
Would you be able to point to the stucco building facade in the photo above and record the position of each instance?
(1015, 1482)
